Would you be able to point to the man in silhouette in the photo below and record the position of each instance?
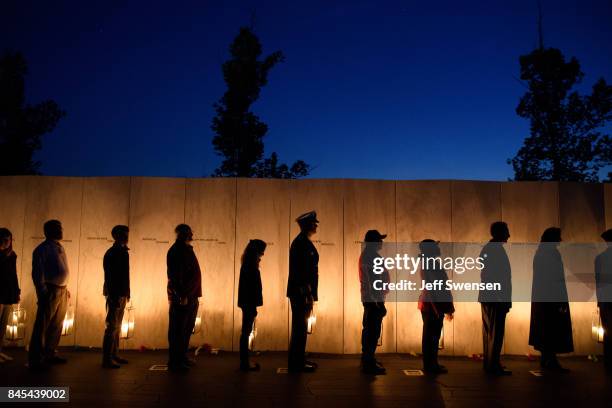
(373, 302)
(603, 277)
(50, 275)
(117, 291)
(184, 290)
(302, 289)
(495, 304)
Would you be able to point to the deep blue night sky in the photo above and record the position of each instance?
(393, 90)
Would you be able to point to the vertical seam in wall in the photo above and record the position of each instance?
(76, 295)
(343, 266)
(289, 237)
(396, 251)
(235, 245)
(452, 239)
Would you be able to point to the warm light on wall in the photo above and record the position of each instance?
(380, 338)
(127, 325)
(441, 342)
(15, 329)
(68, 325)
(252, 335)
(597, 330)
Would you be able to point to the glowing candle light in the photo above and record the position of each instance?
(68, 325)
(127, 324)
(15, 329)
(597, 330)
(198, 320)
(252, 335)
(312, 321)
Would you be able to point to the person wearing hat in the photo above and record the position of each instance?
(495, 305)
(184, 290)
(433, 304)
(302, 289)
(116, 288)
(373, 302)
(603, 279)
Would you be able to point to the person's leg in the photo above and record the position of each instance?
(189, 324)
(35, 350)
(299, 326)
(605, 312)
(426, 341)
(248, 316)
(109, 330)
(437, 324)
(174, 334)
(117, 331)
(499, 326)
(367, 354)
(5, 312)
(58, 305)
(486, 336)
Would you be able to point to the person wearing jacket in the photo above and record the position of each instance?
(550, 329)
(50, 276)
(495, 305)
(603, 279)
(433, 306)
(373, 302)
(184, 290)
(10, 293)
(117, 291)
(302, 289)
(249, 297)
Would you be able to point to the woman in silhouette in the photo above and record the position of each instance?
(9, 287)
(249, 297)
(550, 331)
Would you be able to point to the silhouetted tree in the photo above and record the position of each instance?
(566, 142)
(238, 132)
(21, 125)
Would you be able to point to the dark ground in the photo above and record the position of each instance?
(215, 381)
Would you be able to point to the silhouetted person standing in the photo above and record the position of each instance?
(434, 304)
(603, 278)
(117, 291)
(550, 330)
(10, 293)
(50, 275)
(184, 289)
(373, 301)
(495, 305)
(249, 297)
(302, 289)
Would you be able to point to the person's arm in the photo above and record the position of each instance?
(176, 270)
(38, 271)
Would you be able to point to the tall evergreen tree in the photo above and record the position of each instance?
(567, 141)
(21, 125)
(239, 132)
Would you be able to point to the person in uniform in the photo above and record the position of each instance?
(550, 328)
(373, 302)
(434, 305)
(603, 278)
(10, 293)
(117, 291)
(495, 305)
(249, 297)
(302, 289)
(184, 290)
(50, 276)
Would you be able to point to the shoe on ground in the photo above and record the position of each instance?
(435, 370)
(312, 363)
(120, 360)
(5, 357)
(54, 360)
(373, 369)
(250, 367)
(190, 362)
(110, 364)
